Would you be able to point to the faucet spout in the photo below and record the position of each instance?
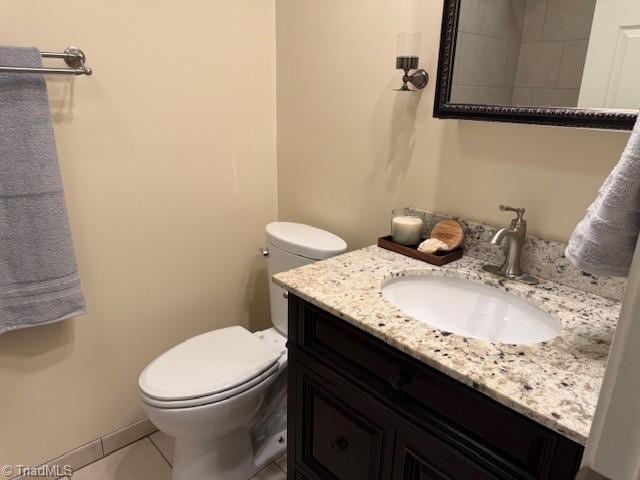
(498, 237)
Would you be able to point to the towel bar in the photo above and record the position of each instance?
(73, 57)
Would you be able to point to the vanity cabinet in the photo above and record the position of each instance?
(360, 409)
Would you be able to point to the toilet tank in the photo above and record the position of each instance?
(292, 245)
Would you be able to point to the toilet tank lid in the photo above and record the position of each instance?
(305, 240)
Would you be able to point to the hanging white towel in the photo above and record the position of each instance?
(603, 243)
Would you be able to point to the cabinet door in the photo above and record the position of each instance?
(421, 456)
(485, 430)
(342, 434)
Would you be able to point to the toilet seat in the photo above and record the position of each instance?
(216, 397)
(209, 368)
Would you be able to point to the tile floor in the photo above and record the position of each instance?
(151, 457)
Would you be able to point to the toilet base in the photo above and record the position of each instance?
(225, 458)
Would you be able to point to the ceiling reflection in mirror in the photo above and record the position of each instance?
(548, 53)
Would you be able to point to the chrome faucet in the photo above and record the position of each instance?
(515, 235)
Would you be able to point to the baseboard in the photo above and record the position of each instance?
(96, 449)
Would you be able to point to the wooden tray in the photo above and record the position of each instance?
(438, 258)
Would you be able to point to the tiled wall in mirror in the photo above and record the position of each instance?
(548, 53)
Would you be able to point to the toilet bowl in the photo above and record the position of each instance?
(222, 394)
(205, 392)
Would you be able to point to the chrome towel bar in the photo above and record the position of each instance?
(73, 57)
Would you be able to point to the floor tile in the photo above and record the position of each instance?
(282, 462)
(141, 460)
(164, 443)
(272, 472)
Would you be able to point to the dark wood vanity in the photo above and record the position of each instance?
(362, 410)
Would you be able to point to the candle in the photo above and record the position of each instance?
(406, 230)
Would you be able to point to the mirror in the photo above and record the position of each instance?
(560, 62)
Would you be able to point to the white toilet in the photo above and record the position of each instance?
(222, 394)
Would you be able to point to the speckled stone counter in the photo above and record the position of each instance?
(554, 383)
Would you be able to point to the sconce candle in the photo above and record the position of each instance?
(409, 48)
(406, 230)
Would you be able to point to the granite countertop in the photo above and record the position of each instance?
(555, 383)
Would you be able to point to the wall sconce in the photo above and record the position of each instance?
(407, 59)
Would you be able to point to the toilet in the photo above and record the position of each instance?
(222, 394)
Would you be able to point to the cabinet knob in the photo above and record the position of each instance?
(340, 443)
(398, 382)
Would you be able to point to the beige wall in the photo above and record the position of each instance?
(350, 148)
(168, 158)
(170, 176)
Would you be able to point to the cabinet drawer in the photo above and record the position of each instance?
(340, 441)
(482, 425)
(420, 456)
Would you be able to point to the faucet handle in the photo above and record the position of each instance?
(518, 211)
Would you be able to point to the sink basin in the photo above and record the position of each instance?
(470, 309)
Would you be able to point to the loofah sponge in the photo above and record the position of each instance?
(432, 245)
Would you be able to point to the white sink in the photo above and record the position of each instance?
(470, 309)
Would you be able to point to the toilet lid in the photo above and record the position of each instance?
(207, 364)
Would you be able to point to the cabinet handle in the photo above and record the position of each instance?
(398, 382)
(340, 443)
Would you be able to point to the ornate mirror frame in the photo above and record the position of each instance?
(560, 116)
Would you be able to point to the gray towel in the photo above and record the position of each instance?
(604, 241)
(39, 280)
